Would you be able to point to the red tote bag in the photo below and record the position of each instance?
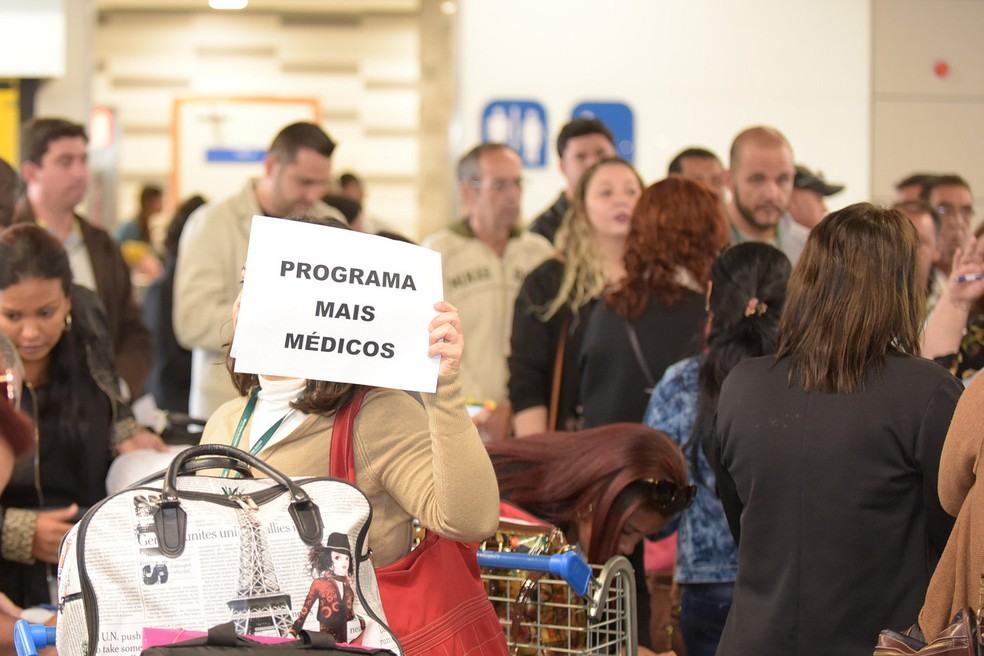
(433, 597)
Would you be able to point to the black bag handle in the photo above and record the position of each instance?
(204, 463)
(170, 520)
(224, 635)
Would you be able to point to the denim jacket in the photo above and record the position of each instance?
(706, 552)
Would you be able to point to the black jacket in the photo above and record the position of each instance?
(549, 222)
(832, 498)
(79, 417)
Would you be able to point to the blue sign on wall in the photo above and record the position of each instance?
(618, 117)
(247, 155)
(520, 124)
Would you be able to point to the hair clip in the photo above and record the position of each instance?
(754, 307)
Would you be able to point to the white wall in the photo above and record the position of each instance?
(695, 73)
(362, 69)
(33, 41)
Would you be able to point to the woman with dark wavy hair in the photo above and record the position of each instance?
(655, 316)
(72, 392)
(745, 300)
(827, 454)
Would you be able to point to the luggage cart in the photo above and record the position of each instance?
(29, 638)
(561, 605)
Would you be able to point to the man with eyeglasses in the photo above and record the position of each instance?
(485, 257)
(950, 196)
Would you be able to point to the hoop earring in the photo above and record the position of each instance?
(68, 322)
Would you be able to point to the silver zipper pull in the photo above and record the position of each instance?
(245, 502)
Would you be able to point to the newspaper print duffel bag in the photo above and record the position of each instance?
(183, 551)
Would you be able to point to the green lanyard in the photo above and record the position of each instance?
(241, 427)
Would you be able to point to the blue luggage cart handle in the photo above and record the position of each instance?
(568, 565)
(29, 638)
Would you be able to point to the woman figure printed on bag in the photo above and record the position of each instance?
(331, 589)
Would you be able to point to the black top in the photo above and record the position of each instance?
(834, 499)
(549, 222)
(74, 416)
(613, 385)
(534, 346)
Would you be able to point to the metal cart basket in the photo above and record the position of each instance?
(561, 605)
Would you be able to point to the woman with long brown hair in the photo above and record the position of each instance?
(604, 499)
(606, 488)
(827, 454)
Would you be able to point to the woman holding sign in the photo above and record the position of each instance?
(414, 457)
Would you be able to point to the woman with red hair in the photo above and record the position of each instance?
(604, 499)
(606, 488)
(655, 317)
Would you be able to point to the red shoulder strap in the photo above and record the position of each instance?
(341, 463)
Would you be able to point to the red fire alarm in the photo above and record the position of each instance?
(941, 68)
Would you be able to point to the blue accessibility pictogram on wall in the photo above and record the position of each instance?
(520, 124)
(619, 119)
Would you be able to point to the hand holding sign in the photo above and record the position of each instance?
(446, 338)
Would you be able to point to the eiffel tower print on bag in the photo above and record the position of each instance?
(182, 551)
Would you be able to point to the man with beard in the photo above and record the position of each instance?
(761, 183)
(485, 258)
(212, 252)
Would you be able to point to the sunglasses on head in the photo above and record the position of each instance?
(669, 497)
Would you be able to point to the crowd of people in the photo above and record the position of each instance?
(712, 359)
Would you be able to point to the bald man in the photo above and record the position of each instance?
(760, 178)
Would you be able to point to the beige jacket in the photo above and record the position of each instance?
(411, 461)
(957, 579)
(484, 286)
(211, 256)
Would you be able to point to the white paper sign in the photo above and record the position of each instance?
(325, 303)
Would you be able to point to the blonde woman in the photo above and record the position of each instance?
(556, 298)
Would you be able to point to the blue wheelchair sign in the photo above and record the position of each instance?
(619, 119)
